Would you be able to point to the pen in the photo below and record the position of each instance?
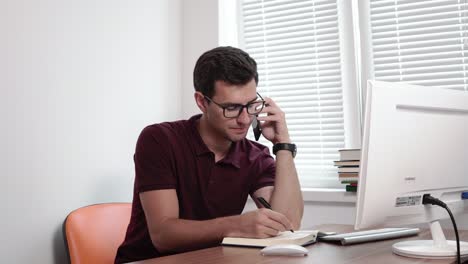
(267, 205)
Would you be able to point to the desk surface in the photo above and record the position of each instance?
(374, 252)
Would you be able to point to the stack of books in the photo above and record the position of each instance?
(348, 168)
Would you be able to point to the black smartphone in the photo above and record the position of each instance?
(257, 130)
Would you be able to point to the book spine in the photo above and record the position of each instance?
(351, 188)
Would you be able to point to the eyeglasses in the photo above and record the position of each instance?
(234, 110)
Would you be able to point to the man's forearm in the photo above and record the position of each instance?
(287, 196)
(178, 235)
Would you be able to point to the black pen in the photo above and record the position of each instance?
(267, 205)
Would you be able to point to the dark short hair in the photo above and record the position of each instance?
(228, 64)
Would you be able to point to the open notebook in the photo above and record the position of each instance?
(301, 237)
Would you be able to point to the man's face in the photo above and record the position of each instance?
(233, 129)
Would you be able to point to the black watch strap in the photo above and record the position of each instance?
(285, 146)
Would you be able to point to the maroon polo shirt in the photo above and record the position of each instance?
(172, 155)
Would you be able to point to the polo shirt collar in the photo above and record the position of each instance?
(233, 155)
(198, 144)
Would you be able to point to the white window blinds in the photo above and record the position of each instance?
(419, 42)
(297, 47)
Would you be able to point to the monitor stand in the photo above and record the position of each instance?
(438, 248)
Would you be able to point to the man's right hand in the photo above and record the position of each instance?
(171, 234)
(261, 223)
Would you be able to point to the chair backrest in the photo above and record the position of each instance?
(93, 233)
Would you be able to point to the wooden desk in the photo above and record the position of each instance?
(379, 252)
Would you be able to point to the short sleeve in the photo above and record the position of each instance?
(265, 170)
(154, 161)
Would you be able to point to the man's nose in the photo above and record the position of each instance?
(244, 117)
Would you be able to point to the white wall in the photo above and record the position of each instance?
(79, 80)
(200, 34)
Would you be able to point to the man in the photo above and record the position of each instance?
(193, 176)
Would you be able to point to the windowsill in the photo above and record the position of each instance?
(328, 195)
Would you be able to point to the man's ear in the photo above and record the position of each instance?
(200, 101)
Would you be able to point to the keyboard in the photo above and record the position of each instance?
(368, 235)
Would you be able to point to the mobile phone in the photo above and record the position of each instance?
(257, 130)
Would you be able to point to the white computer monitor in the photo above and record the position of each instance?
(415, 142)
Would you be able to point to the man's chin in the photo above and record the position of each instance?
(237, 137)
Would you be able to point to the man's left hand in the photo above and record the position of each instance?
(273, 125)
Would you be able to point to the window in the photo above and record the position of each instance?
(299, 54)
(315, 57)
(419, 42)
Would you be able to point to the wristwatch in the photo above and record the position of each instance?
(285, 146)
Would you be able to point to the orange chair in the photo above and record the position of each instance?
(93, 233)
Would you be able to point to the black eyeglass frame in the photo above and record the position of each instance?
(246, 106)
